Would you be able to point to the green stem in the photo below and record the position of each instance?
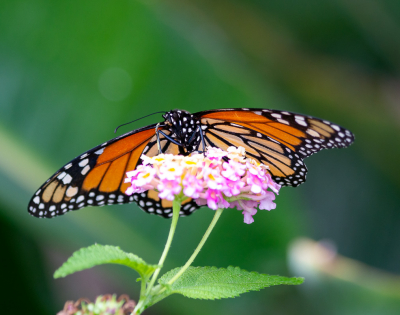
(176, 207)
(198, 248)
(145, 294)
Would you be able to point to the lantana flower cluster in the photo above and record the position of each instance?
(217, 178)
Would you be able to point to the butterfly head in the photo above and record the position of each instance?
(184, 126)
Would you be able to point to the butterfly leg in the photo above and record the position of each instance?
(201, 136)
(158, 139)
(166, 137)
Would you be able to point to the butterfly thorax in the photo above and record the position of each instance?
(184, 128)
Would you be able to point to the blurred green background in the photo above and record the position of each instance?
(70, 72)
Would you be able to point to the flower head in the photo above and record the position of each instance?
(104, 305)
(218, 179)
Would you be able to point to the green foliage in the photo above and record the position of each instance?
(212, 283)
(94, 255)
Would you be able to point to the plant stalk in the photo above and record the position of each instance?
(176, 208)
(198, 248)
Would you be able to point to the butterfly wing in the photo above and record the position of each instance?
(278, 139)
(96, 178)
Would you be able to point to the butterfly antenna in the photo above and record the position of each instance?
(137, 120)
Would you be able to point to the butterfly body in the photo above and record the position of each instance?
(185, 129)
(275, 138)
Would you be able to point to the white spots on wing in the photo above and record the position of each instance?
(52, 208)
(83, 162)
(341, 134)
(282, 121)
(71, 191)
(92, 194)
(63, 206)
(105, 143)
(141, 203)
(203, 127)
(312, 133)
(84, 155)
(258, 113)
(80, 198)
(300, 120)
(337, 128)
(85, 170)
(98, 152)
(100, 197)
(259, 135)
(67, 179)
(276, 115)
(90, 201)
(36, 200)
(235, 125)
(41, 206)
(112, 196)
(285, 113)
(67, 166)
(61, 176)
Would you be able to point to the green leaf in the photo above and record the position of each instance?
(94, 255)
(212, 283)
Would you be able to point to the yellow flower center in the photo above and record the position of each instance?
(190, 162)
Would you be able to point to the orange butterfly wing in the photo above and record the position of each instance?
(278, 139)
(96, 178)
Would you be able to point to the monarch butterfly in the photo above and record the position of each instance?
(278, 139)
